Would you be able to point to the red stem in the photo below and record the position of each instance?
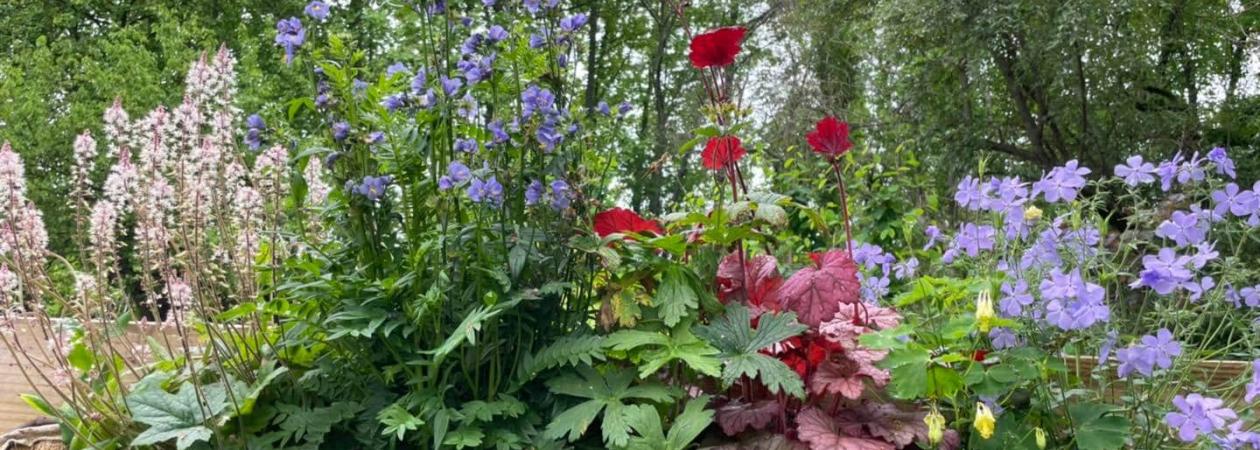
(844, 206)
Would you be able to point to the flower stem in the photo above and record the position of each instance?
(844, 206)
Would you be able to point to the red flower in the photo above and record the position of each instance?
(621, 220)
(717, 47)
(979, 355)
(721, 152)
(830, 137)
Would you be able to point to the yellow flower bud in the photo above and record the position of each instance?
(985, 422)
(936, 426)
(1041, 438)
(984, 311)
(1032, 213)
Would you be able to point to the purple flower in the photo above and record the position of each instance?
(488, 3)
(533, 6)
(1198, 415)
(1151, 351)
(1104, 349)
(255, 121)
(1191, 170)
(375, 137)
(393, 102)
(471, 44)
(290, 35)
(1253, 388)
(623, 108)
(1167, 171)
(372, 188)
(572, 23)
(358, 87)
(485, 191)
(497, 134)
(537, 41)
(1198, 288)
(1238, 439)
(1236, 202)
(973, 238)
(496, 34)
(476, 70)
(466, 145)
(535, 99)
(419, 81)
(874, 288)
(1062, 183)
(971, 194)
(396, 68)
(467, 107)
(1204, 253)
(1224, 165)
(1163, 273)
(340, 130)
(906, 269)
(533, 193)
(427, 100)
(548, 136)
(559, 195)
(317, 10)
(450, 85)
(456, 173)
(933, 233)
(1163, 347)
(1136, 171)
(1183, 228)
(1081, 306)
(1014, 298)
(1003, 338)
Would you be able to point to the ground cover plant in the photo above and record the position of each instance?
(439, 241)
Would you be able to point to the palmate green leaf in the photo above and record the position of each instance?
(482, 411)
(397, 421)
(661, 349)
(566, 351)
(606, 394)
(178, 416)
(1096, 428)
(674, 297)
(739, 345)
(464, 437)
(646, 422)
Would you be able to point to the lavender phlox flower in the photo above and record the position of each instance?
(972, 239)
(1104, 349)
(1150, 352)
(874, 288)
(1003, 338)
(1191, 170)
(1238, 202)
(1198, 415)
(905, 270)
(933, 233)
(1163, 272)
(1062, 183)
(1183, 228)
(560, 195)
(317, 10)
(1081, 306)
(1237, 438)
(870, 255)
(533, 192)
(1167, 171)
(1135, 171)
(971, 193)
(290, 35)
(1014, 298)
(1198, 288)
(1224, 166)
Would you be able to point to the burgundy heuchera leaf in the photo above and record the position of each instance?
(757, 284)
(822, 433)
(816, 293)
(846, 377)
(736, 416)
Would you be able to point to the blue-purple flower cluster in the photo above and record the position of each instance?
(1150, 352)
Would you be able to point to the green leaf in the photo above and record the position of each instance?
(646, 421)
(180, 416)
(1096, 428)
(740, 344)
(464, 437)
(397, 421)
(674, 296)
(605, 393)
(80, 357)
(662, 349)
